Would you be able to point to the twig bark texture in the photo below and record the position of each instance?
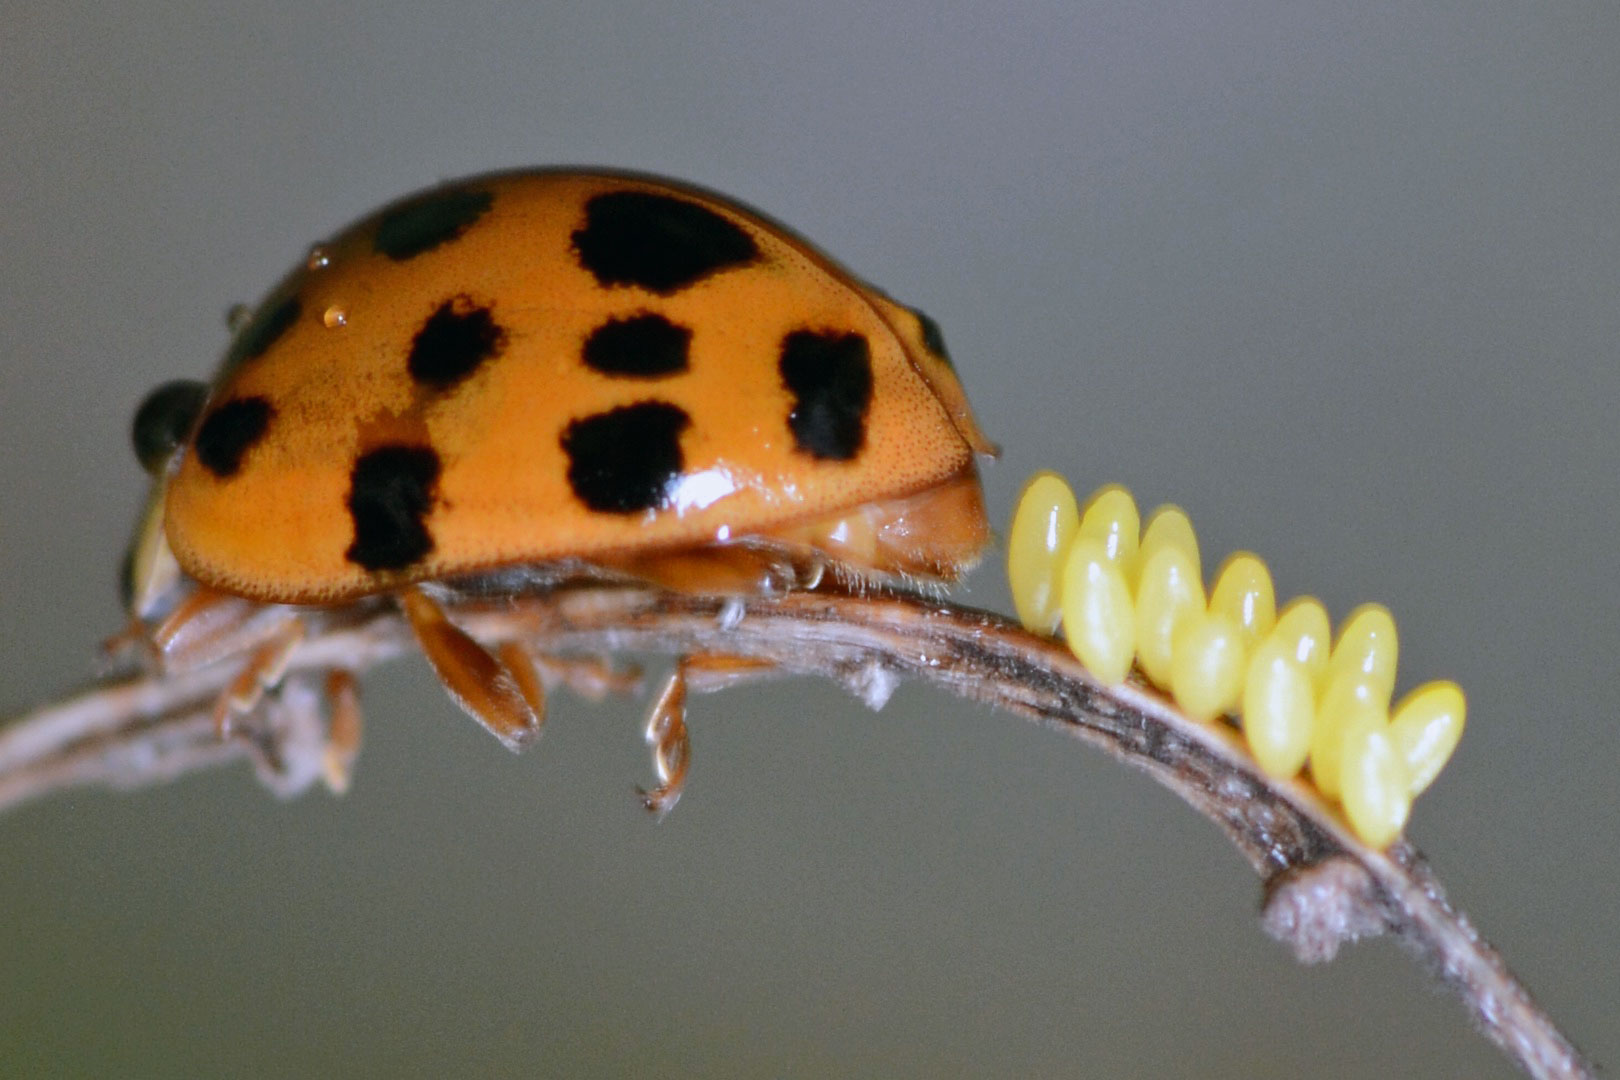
(1322, 886)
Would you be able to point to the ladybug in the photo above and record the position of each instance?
(555, 376)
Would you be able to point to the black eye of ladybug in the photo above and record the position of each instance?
(164, 419)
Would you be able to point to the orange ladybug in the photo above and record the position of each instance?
(590, 375)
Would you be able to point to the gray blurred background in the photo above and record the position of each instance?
(1341, 278)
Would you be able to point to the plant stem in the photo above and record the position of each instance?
(1323, 887)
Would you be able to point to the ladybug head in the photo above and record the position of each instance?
(164, 420)
(149, 576)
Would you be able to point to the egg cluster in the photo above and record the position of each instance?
(1122, 594)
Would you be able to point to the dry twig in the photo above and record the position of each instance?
(1323, 887)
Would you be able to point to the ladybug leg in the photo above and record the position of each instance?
(726, 569)
(343, 730)
(507, 702)
(672, 749)
(526, 672)
(209, 625)
(591, 677)
(303, 731)
(709, 672)
(132, 643)
(263, 670)
(666, 724)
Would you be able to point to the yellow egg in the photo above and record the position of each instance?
(1243, 593)
(1351, 699)
(1168, 591)
(1279, 708)
(1367, 644)
(1043, 526)
(1376, 788)
(1426, 726)
(1206, 668)
(1111, 517)
(1098, 618)
(1304, 628)
(1169, 526)
(1348, 689)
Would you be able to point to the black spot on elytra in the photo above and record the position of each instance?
(626, 459)
(830, 376)
(933, 338)
(261, 332)
(391, 491)
(423, 224)
(644, 345)
(658, 242)
(229, 432)
(164, 420)
(454, 341)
